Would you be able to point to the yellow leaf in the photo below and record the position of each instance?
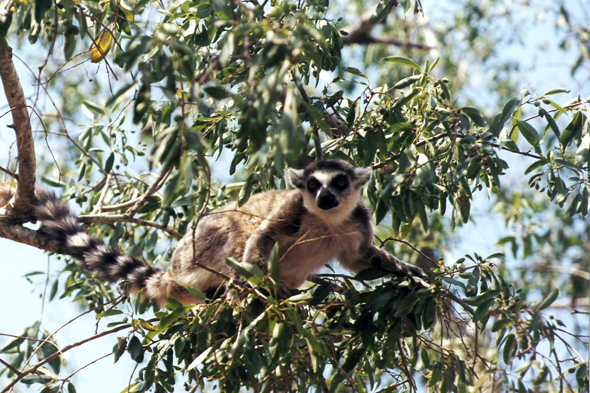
(104, 45)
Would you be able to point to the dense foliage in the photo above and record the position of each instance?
(183, 85)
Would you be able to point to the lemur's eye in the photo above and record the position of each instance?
(340, 182)
(313, 184)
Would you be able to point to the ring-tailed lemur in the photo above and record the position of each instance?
(320, 219)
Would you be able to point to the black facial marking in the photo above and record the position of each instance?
(330, 165)
(313, 185)
(340, 182)
(326, 200)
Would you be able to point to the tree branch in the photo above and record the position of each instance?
(153, 188)
(102, 219)
(28, 236)
(364, 39)
(25, 189)
(361, 33)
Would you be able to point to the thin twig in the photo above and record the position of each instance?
(8, 366)
(153, 188)
(85, 366)
(411, 246)
(9, 173)
(454, 298)
(98, 207)
(66, 349)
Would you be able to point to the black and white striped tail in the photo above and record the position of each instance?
(107, 263)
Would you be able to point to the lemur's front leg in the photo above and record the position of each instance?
(387, 262)
(259, 247)
(372, 256)
(258, 250)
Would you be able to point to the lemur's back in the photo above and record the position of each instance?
(221, 234)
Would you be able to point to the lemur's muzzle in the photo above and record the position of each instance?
(326, 200)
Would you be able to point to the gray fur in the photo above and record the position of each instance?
(308, 236)
(312, 226)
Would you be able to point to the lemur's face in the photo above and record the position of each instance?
(330, 185)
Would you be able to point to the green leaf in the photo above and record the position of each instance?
(196, 294)
(453, 281)
(15, 342)
(246, 270)
(273, 264)
(69, 47)
(383, 9)
(120, 93)
(174, 316)
(403, 61)
(109, 313)
(407, 304)
(52, 182)
(529, 132)
(407, 82)
(217, 92)
(93, 107)
(501, 324)
(500, 119)
(474, 115)
(448, 380)
(582, 374)
(48, 349)
(573, 129)
(200, 359)
(119, 349)
(482, 310)
(404, 99)
(135, 349)
(549, 299)
(484, 296)
(351, 117)
(41, 7)
(108, 166)
(509, 348)
(583, 151)
(556, 91)
(551, 123)
(535, 165)
(54, 288)
(318, 118)
(246, 189)
(353, 71)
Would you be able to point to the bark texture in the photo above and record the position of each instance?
(21, 207)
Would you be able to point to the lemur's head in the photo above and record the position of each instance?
(331, 189)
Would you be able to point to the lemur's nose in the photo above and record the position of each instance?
(326, 200)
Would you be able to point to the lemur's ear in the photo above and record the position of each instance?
(363, 175)
(296, 179)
